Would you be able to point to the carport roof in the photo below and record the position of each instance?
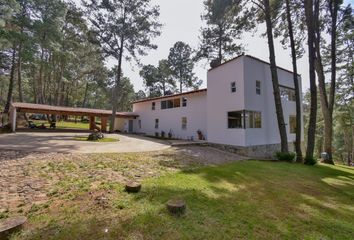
(48, 109)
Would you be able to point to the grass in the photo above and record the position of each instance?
(63, 124)
(105, 140)
(241, 200)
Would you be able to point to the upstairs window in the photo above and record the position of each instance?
(153, 104)
(287, 94)
(258, 87)
(184, 102)
(156, 123)
(233, 86)
(184, 123)
(171, 103)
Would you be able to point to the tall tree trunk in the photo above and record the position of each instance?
(19, 71)
(12, 80)
(220, 43)
(180, 82)
(40, 82)
(274, 73)
(19, 75)
(298, 151)
(34, 85)
(60, 80)
(313, 89)
(327, 110)
(164, 88)
(116, 87)
(85, 95)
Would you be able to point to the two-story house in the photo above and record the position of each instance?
(237, 109)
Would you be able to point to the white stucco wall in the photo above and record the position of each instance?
(171, 119)
(269, 133)
(221, 100)
(207, 111)
(121, 124)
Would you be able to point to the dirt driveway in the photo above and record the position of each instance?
(65, 143)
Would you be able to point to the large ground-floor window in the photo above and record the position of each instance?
(244, 119)
(235, 119)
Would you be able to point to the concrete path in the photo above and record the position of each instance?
(63, 142)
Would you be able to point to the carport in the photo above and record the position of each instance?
(19, 107)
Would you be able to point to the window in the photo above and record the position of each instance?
(253, 119)
(233, 86)
(163, 105)
(176, 102)
(258, 87)
(287, 94)
(244, 119)
(184, 102)
(156, 123)
(184, 123)
(257, 120)
(235, 119)
(292, 124)
(153, 104)
(172, 103)
(139, 123)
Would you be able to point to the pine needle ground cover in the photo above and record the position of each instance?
(238, 200)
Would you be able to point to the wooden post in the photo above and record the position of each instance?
(104, 124)
(92, 123)
(12, 119)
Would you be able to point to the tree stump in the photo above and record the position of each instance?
(176, 206)
(132, 187)
(11, 225)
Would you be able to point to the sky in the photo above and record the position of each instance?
(181, 22)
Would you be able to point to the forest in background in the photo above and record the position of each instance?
(54, 52)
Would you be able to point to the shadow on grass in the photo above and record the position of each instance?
(244, 200)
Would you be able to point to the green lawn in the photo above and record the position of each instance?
(64, 124)
(241, 200)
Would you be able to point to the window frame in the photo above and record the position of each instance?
(171, 103)
(258, 88)
(184, 102)
(153, 106)
(287, 93)
(157, 123)
(184, 123)
(233, 87)
(242, 121)
(248, 119)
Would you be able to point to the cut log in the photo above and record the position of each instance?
(132, 187)
(176, 206)
(11, 225)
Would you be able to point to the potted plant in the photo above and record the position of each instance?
(200, 135)
(170, 134)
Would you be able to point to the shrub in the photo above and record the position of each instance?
(310, 161)
(284, 156)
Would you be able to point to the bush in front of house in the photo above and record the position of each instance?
(310, 161)
(285, 156)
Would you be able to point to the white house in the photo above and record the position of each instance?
(237, 109)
